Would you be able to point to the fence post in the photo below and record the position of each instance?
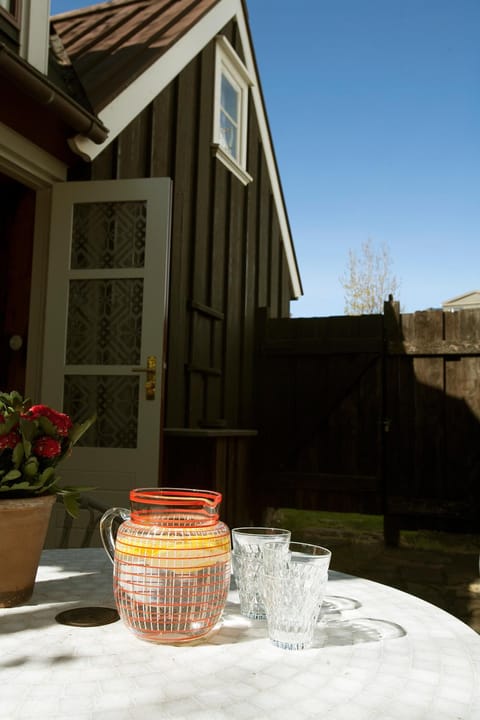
(392, 335)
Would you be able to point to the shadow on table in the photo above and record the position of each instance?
(355, 631)
(38, 660)
(333, 629)
(73, 559)
(50, 596)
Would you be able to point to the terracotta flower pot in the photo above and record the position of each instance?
(23, 525)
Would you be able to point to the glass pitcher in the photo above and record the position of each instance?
(171, 558)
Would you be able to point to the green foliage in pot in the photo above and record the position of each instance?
(34, 439)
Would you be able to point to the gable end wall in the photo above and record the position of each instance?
(227, 257)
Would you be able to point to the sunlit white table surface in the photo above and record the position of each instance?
(379, 654)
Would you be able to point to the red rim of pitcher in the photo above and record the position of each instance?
(176, 496)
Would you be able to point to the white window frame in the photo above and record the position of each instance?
(228, 64)
(12, 14)
(34, 33)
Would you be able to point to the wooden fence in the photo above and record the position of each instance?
(373, 414)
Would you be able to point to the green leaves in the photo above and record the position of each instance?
(13, 402)
(18, 454)
(13, 475)
(32, 443)
(80, 429)
(11, 421)
(31, 467)
(71, 502)
(15, 480)
(47, 426)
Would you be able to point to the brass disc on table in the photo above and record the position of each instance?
(87, 616)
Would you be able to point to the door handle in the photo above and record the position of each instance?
(151, 376)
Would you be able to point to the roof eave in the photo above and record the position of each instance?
(44, 92)
(461, 297)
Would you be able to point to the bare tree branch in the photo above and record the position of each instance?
(368, 280)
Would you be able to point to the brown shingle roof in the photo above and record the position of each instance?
(111, 44)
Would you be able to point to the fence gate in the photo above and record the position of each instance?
(321, 414)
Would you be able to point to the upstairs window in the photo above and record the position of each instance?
(10, 23)
(230, 95)
(11, 8)
(232, 83)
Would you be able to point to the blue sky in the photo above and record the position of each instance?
(374, 108)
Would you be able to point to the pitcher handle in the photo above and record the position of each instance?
(106, 528)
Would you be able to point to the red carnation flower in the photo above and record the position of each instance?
(10, 440)
(47, 447)
(61, 421)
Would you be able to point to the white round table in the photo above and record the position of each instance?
(379, 654)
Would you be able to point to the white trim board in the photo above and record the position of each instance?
(26, 162)
(135, 98)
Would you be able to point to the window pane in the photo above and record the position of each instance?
(229, 99)
(228, 135)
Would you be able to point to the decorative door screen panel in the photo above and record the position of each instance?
(104, 322)
(104, 325)
(108, 235)
(114, 399)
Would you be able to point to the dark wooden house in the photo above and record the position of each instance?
(142, 227)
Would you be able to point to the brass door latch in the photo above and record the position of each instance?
(151, 376)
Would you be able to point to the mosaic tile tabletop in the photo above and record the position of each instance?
(379, 654)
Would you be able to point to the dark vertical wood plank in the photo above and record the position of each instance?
(429, 426)
(162, 149)
(178, 395)
(248, 329)
(234, 309)
(284, 306)
(462, 428)
(221, 192)
(104, 167)
(202, 329)
(134, 148)
(263, 219)
(203, 196)
(274, 269)
(429, 408)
